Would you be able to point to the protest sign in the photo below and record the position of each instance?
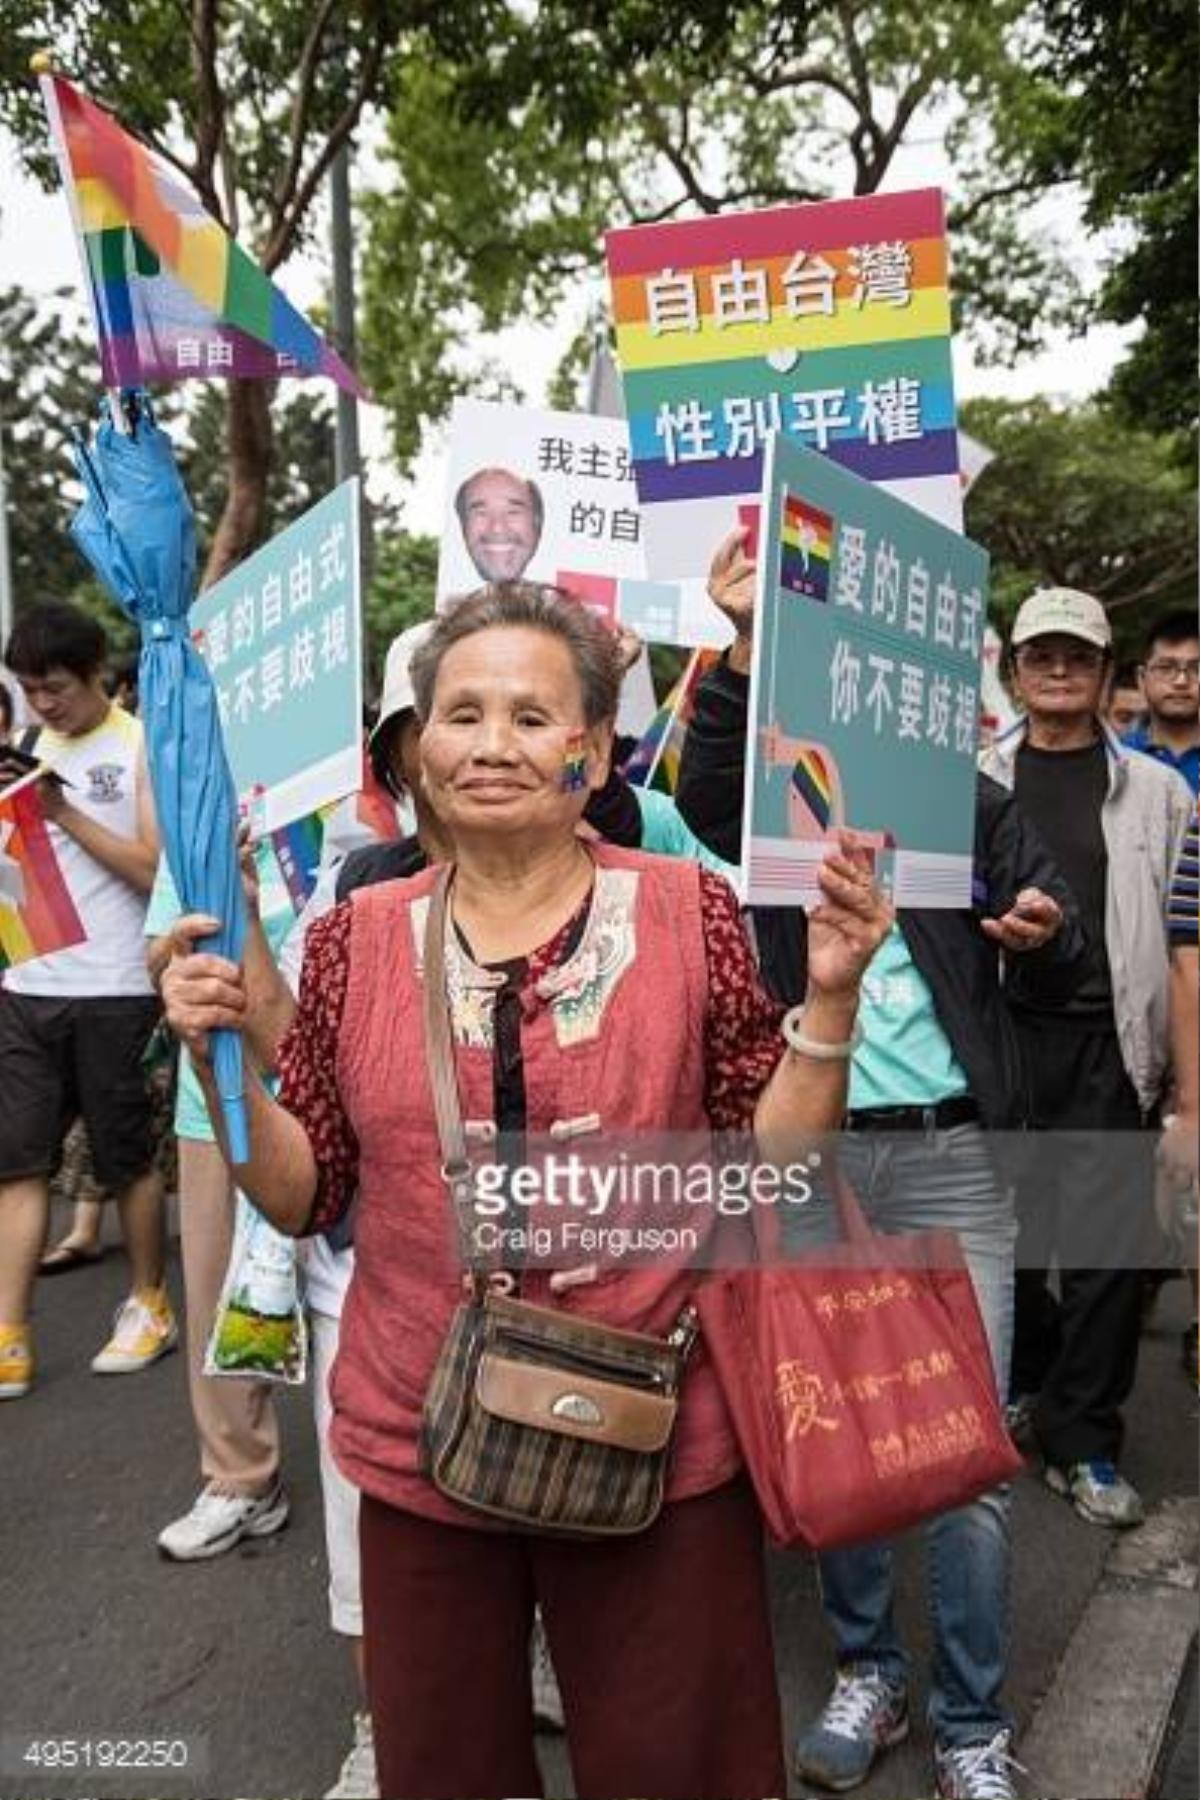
(281, 638)
(864, 698)
(550, 496)
(829, 323)
(540, 496)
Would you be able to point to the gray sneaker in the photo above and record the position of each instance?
(1097, 1493)
(977, 1771)
(865, 1714)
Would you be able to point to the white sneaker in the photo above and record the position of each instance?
(217, 1521)
(358, 1779)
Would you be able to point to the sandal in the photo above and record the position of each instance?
(68, 1256)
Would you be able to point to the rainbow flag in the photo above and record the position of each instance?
(173, 296)
(297, 850)
(654, 760)
(37, 913)
(812, 780)
(805, 549)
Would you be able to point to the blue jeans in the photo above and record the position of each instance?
(913, 1182)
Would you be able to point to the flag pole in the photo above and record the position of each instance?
(682, 690)
(41, 64)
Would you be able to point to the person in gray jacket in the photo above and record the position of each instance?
(1097, 1062)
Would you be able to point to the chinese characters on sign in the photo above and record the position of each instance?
(828, 323)
(865, 692)
(741, 294)
(281, 637)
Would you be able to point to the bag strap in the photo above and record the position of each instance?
(456, 1168)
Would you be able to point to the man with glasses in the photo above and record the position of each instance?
(1170, 683)
(1097, 1062)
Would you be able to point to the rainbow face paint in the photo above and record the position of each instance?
(574, 770)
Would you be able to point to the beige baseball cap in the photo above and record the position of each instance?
(398, 695)
(1066, 611)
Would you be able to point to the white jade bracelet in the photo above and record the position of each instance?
(792, 1029)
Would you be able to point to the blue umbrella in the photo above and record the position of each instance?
(137, 530)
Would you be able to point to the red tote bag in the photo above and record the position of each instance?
(860, 1383)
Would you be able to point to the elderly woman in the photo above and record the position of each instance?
(581, 979)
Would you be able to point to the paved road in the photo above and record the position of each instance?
(99, 1636)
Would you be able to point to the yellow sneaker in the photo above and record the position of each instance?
(144, 1329)
(16, 1361)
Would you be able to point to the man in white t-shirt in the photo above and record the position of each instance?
(74, 1025)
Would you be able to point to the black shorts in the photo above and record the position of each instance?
(60, 1059)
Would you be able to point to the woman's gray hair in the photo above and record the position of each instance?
(593, 647)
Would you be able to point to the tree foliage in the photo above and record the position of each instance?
(45, 391)
(1130, 135)
(249, 103)
(1075, 498)
(400, 593)
(506, 165)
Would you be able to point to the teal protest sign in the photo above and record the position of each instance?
(865, 686)
(281, 638)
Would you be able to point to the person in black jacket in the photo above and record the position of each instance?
(936, 1068)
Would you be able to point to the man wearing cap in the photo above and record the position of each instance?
(1114, 821)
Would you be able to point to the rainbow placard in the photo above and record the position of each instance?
(37, 913)
(173, 296)
(828, 324)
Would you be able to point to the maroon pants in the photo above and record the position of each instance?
(662, 1645)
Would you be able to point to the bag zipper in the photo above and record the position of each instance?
(551, 1352)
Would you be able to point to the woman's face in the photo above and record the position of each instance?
(506, 720)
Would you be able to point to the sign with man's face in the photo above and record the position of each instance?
(539, 496)
(549, 496)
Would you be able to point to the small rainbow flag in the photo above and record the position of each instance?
(37, 913)
(174, 297)
(654, 760)
(813, 784)
(805, 549)
(297, 850)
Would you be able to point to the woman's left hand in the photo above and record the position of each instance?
(849, 925)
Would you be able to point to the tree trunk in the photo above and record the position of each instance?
(248, 436)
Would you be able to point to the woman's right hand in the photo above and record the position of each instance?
(201, 992)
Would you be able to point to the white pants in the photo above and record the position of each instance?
(340, 1496)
